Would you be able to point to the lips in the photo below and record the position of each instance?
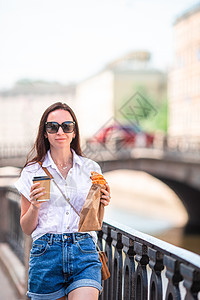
(60, 139)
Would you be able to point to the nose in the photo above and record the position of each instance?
(60, 130)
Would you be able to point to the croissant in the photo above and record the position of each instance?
(97, 178)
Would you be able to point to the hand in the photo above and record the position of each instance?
(105, 198)
(35, 193)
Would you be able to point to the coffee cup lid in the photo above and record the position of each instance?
(37, 178)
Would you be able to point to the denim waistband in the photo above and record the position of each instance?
(63, 237)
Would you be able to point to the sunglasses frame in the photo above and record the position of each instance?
(60, 125)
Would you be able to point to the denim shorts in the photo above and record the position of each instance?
(60, 263)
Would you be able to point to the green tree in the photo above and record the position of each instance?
(145, 111)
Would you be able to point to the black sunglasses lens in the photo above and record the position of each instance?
(52, 127)
(67, 126)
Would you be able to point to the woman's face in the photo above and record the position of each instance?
(59, 139)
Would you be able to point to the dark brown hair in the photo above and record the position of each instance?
(42, 145)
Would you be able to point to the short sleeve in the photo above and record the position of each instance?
(97, 168)
(24, 183)
(90, 165)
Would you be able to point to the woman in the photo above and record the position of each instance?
(62, 261)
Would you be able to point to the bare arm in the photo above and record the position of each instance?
(30, 210)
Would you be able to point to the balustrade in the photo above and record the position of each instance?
(10, 229)
(143, 267)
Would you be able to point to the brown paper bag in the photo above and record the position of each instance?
(91, 216)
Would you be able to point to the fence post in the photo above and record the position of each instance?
(4, 216)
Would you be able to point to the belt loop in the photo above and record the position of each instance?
(73, 238)
(51, 238)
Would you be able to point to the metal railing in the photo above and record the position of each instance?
(15, 235)
(10, 228)
(14, 150)
(142, 267)
(175, 144)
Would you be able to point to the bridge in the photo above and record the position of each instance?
(179, 170)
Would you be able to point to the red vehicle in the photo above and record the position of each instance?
(122, 136)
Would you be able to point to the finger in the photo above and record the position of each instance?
(32, 198)
(107, 197)
(104, 202)
(107, 188)
(36, 191)
(103, 191)
(34, 186)
(37, 195)
(35, 203)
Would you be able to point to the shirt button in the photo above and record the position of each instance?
(67, 212)
(67, 227)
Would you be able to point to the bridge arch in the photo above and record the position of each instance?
(190, 196)
(187, 192)
(138, 197)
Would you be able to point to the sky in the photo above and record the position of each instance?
(70, 40)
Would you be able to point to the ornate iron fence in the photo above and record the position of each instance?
(15, 235)
(143, 267)
(10, 228)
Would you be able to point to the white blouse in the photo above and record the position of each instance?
(56, 215)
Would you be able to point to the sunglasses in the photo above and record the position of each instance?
(53, 127)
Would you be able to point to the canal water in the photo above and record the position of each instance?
(146, 204)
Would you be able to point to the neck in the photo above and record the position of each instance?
(61, 156)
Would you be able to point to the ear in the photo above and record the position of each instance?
(73, 136)
(45, 135)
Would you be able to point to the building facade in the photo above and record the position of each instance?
(22, 107)
(184, 79)
(100, 98)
